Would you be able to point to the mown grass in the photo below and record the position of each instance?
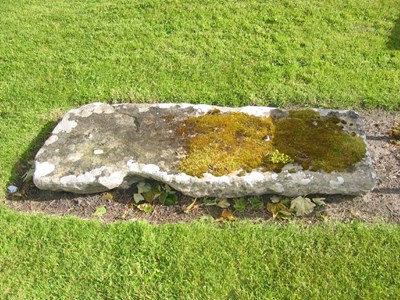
(58, 54)
(62, 258)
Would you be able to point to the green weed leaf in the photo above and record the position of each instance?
(302, 206)
(276, 157)
(146, 207)
(256, 203)
(168, 198)
(143, 187)
(209, 201)
(319, 201)
(151, 195)
(240, 204)
(100, 211)
(275, 199)
(138, 198)
(223, 203)
(166, 194)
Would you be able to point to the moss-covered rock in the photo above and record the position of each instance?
(230, 152)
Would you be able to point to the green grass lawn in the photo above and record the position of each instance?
(55, 258)
(58, 54)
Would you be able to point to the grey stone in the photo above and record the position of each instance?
(99, 147)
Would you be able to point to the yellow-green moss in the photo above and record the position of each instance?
(317, 143)
(220, 143)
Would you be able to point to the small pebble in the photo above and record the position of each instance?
(98, 151)
(12, 189)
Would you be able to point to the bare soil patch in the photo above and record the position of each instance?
(382, 203)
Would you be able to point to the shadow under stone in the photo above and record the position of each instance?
(387, 190)
(23, 164)
(394, 38)
(378, 138)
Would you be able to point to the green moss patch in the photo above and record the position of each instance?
(317, 143)
(221, 143)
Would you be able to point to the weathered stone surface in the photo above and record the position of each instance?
(100, 147)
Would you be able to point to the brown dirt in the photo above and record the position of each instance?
(382, 203)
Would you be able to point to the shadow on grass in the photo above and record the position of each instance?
(394, 39)
(24, 163)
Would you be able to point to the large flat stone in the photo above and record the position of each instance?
(99, 147)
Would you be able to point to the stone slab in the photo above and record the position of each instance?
(100, 147)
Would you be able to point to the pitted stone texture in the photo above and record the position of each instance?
(99, 147)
